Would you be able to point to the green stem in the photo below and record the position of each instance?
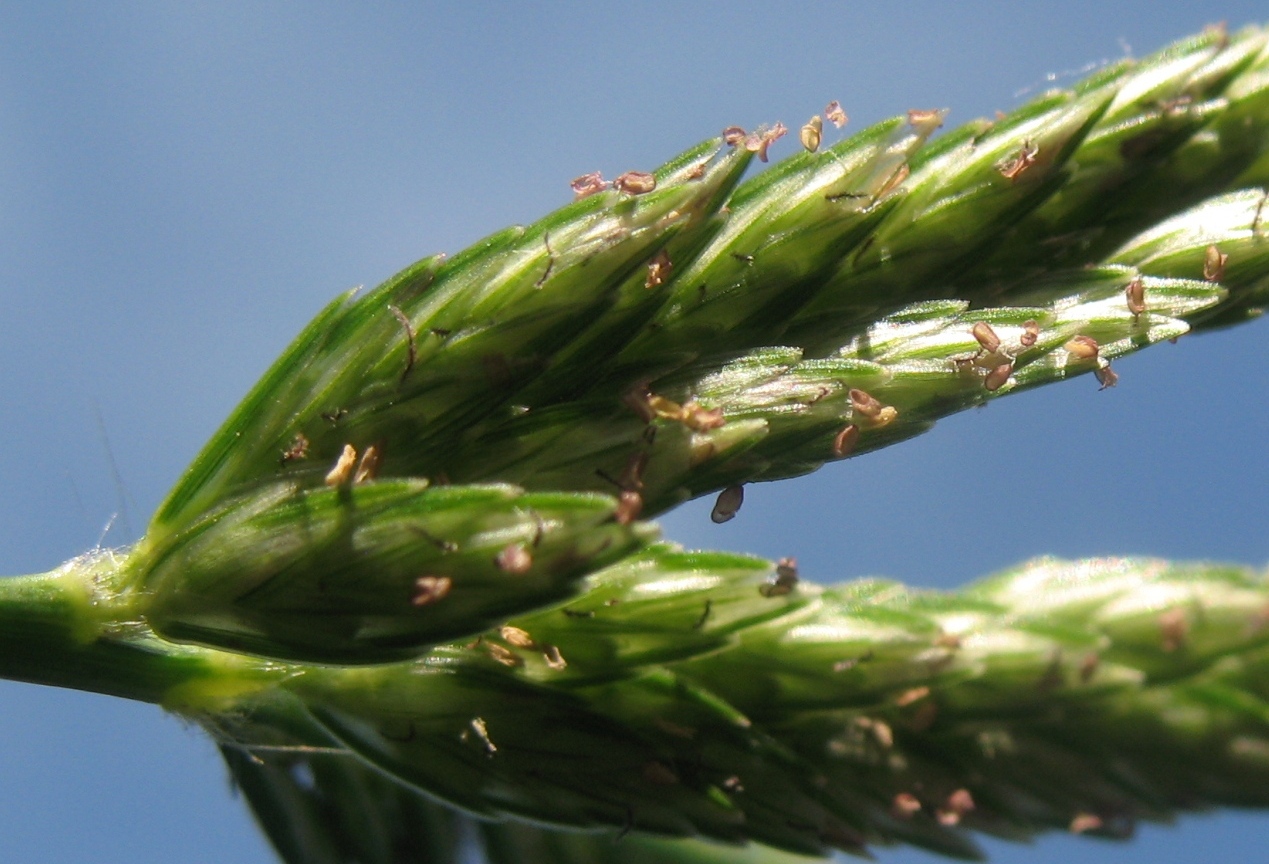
(56, 629)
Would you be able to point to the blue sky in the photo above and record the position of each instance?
(183, 185)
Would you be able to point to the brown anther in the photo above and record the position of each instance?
(514, 559)
(344, 465)
(502, 655)
(1088, 667)
(697, 171)
(588, 185)
(733, 135)
(635, 183)
(904, 806)
(700, 419)
(887, 415)
(665, 409)
(1136, 296)
(907, 697)
(812, 133)
(880, 730)
(553, 658)
(1082, 822)
(986, 337)
(997, 377)
(1082, 348)
(960, 802)
(629, 506)
(758, 142)
(834, 114)
(1030, 333)
(1174, 626)
(786, 579)
(864, 404)
(659, 269)
(659, 774)
(925, 121)
(1017, 164)
(429, 589)
(367, 466)
(298, 449)
(728, 504)
(517, 638)
(1106, 376)
(1214, 261)
(845, 441)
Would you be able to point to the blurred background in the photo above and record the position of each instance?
(183, 185)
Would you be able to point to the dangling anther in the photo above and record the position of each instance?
(1214, 261)
(342, 473)
(834, 114)
(727, 504)
(1135, 294)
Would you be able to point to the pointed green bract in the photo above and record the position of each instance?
(373, 572)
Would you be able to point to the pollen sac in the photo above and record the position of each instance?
(734, 135)
(700, 419)
(635, 183)
(844, 443)
(342, 473)
(1030, 333)
(1082, 348)
(629, 506)
(785, 580)
(1016, 165)
(864, 403)
(998, 377)
(925, 122)
(367, 466)
(1106, 376)
(430, 589)
(727, 504)
(588, 185)
(905, 805)
(298, 449)
(870, 410)
(1214, 261)
(811, 133)
(1135, 294)
(659, 269)
(376, 572)
(834, 114)
(514, 559)
(986, 337)
(758, 142)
